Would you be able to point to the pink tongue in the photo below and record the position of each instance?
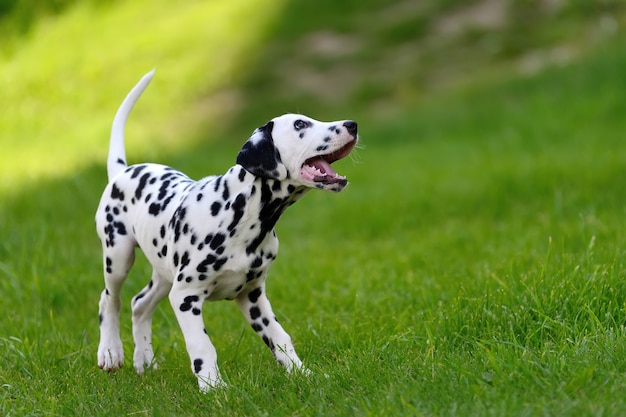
(322, 165)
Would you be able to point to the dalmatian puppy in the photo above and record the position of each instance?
(208, 240)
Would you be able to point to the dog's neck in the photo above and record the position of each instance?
(271, 198)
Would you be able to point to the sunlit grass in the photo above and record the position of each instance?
(63, 83)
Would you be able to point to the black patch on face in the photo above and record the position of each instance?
(261, 157)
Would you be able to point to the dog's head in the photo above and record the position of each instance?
(299, 149)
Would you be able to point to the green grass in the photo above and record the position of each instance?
(474, 266)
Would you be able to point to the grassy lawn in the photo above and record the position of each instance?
(474, 266)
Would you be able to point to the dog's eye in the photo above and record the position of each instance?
(300, 124)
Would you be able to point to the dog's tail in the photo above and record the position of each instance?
(116, 162)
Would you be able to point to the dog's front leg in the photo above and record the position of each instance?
(256, 308)
(188, 308)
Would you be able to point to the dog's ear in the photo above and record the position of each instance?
(260, 156)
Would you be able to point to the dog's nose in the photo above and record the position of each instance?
(351, 127)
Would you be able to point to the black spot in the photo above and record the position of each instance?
(199, 197)
(253, 296)
(139, 296)
(242, 174)
(164, 250)
(193, 239)
(121, 161)
(268, 342)
(301, 135)
(184, 260)
(116, 193)
(257, 327)
(215, 208)
(218, 240)
(188, 279)
(162, 231)
(100, 318)
(120, 228)
(186, 305)
(180, 277)
(196, 311)
(258, 261)
(203, 266)
(239, 287)
(142, 184)
(255, 312)
(332, 128)
(116, 211)
(266, 322)
(163, 190)
(226, 192)
(202, 277)
(321, 148)
(218, 181)
(175, 258)
(197, 365)
(238, 207)
(154, 209)
(219, 263)
(137, 170)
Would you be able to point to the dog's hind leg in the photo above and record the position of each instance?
(256, 308)
(143, 306)
(118, 260)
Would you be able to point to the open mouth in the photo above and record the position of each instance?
(318, 169)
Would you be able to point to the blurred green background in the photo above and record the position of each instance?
(474, 267)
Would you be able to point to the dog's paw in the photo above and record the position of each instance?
(143, 360)
(207, 385)
(111, 358)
